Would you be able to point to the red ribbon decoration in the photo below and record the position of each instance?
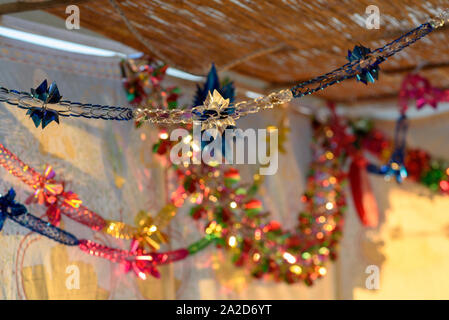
(362, 194)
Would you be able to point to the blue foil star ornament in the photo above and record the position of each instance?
(42, 115)
(47, 94)
(9, 207)
(226, 89)
(213, 107)
(368, 74)
(213, 102)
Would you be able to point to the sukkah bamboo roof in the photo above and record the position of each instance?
(281, 42)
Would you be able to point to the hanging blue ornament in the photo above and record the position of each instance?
(226, 90)
(47, 94)
(368, 74)
(395, 166)
(43, 115)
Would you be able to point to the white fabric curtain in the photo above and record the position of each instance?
(107, 164)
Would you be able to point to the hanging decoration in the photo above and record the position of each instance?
(148, 234)
(395, 166)
(344, 140)
(216, 107)
(420, 165)
(49, 192)
(362, 194)
(47, 95)
(215, 99)
(367, 74)
(415, 163)
(44, 112)
(363, 65)
(401, 163)
(143, 84)
(52, 194)
(140, 262)
(215, 112)
(226, 88)
(235, 219)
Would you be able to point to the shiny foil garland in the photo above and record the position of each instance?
(421, 166)
(49, 192)
(52, 194)
(148, 234)
(235, 219)
(137, 260)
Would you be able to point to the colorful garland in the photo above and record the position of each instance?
(52, 194)
(235, 219)
(139, 261)
(147, 235)
(363, 64)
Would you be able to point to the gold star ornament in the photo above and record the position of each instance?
(215, 112)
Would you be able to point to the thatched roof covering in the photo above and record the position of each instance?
(289, 41)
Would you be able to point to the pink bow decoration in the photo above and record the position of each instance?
(417, 88)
